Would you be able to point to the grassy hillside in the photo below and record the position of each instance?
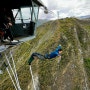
(72, 71)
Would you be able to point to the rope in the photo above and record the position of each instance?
(12, 72)
(32, 78)
(11, 78)
(17, 81)
(10, 66)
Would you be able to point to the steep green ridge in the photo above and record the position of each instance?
(71, 73)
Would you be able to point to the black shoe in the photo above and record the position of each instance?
(29, 63)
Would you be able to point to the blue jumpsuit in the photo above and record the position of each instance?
(53, 54)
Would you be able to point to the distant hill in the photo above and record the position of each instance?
(84, 17)
(41, 21)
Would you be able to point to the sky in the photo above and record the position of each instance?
(65, 8)
(62, 9)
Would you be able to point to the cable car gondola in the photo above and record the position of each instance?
(21, 31)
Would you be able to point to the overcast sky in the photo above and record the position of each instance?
(61, 9)
(65, 8)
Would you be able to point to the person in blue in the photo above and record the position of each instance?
(53, 54)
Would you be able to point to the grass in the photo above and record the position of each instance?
(87, 67)
(48, 37)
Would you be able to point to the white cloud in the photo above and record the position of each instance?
(66, 8)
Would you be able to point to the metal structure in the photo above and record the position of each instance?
(23, 29)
